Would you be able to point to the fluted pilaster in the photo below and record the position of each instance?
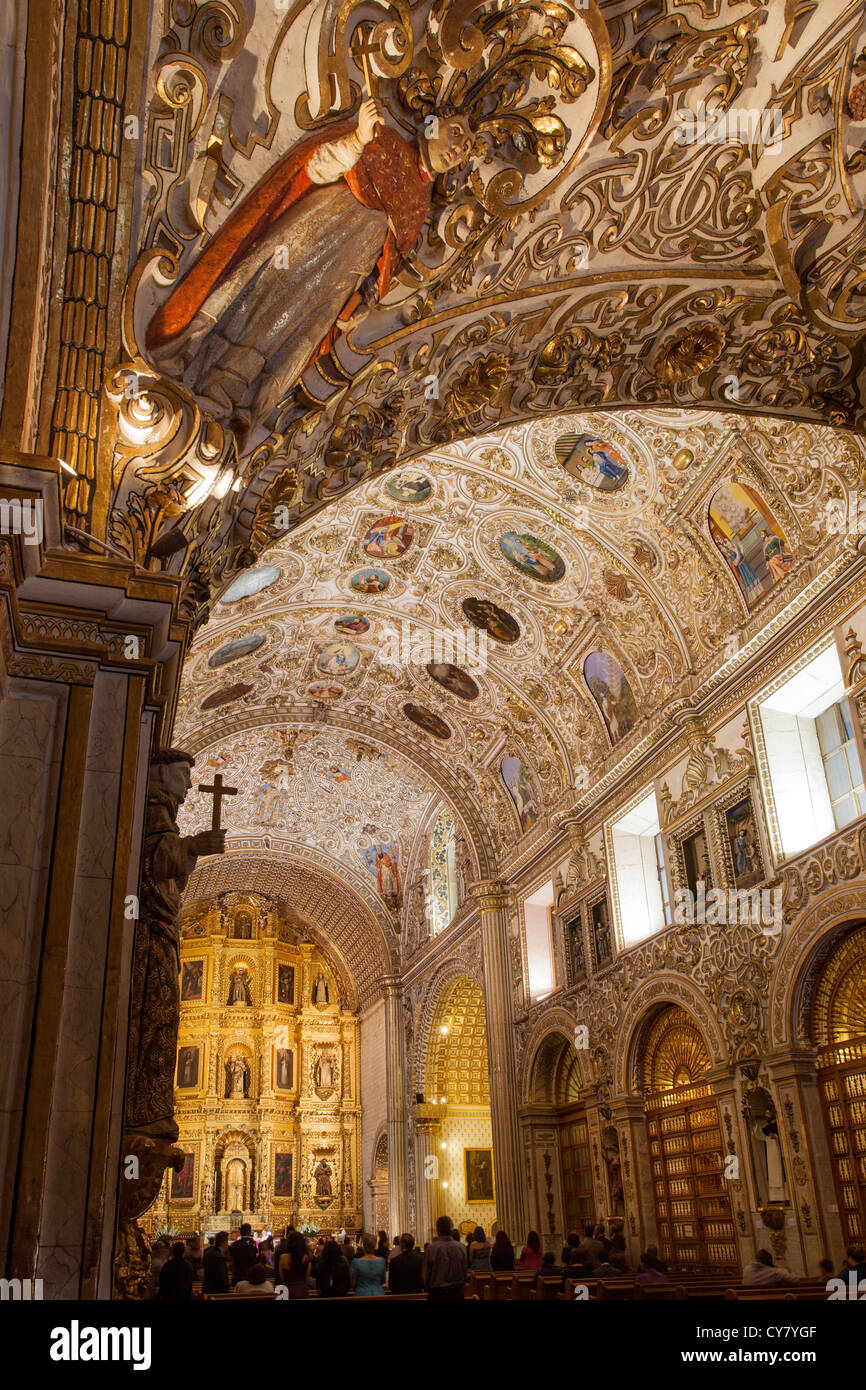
(395, 1069)
(427, 1131)
(492, 897)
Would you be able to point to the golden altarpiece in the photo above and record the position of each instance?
(268, 1081)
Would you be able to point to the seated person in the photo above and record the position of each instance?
(549, 1268)
(649, 1272)
(762, 1271)
(258, 1280)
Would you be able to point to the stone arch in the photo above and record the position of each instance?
(557, 1023)
(803, 952)
(460, 1052)
(637, 1016)
(446, 974)
(350, 936)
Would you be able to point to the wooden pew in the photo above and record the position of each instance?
(549, 1286)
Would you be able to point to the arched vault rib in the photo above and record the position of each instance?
(337, 917)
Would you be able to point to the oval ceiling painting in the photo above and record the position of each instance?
(226, 696)
(532, 556)
(370, 581)
(492, 619)
(352, 623)
(338, 659)
(324, 690)
(389, 537)
(234, 650)
(250, 582)
(427, 720)
(409, 486)
(613, 694)
(591, 460)
(459, 682)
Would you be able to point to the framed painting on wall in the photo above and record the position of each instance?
(285, 984)
(182, 1182)
(575, 947)
(601, 933)
(192, 979)
(283, 1175)
(478, 1174)
(187, 1068)
(744, 851)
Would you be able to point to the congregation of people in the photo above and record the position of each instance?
(335, 1267)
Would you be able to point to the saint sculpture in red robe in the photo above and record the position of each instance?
(306, 255)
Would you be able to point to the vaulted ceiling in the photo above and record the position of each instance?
(664, 207)
(322, 696)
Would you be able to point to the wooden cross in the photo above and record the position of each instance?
(365, 49)
(217, 791)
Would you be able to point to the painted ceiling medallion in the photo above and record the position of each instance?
(389, 538)
(338, 659)
(352, 623)
(234, 650)
(409, 485)
(591, 460)
(370, 581)
(532, 556)
(689, 354)
(427, 720)
(324, 690)
(459, 682)
(251, 582)
(492, 619)
(226, 696)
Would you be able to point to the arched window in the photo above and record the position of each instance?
(443, 871)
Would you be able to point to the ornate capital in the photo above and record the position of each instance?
(491, 894)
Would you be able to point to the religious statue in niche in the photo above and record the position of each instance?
(168, 859)
(610, 1153)
(307, 254)
(237, 1078)
(321, 993)
(322, 1174)
(767, 1163)
(601, 934)
(324, 1073)
(243, 926)
(576, 951)
(239, 988)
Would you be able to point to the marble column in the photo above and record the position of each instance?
(396, 1102)
(509, 1171)
(428, 1127)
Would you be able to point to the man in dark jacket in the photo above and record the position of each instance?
(445, 1263)
(175, 1277)
(404, 1271)
(215, 1265)
(244, 1253)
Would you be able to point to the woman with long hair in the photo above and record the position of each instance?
(295, 1266)
(530, 1255)
(479, 1250)
(502, 1254)
(332, 1272)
